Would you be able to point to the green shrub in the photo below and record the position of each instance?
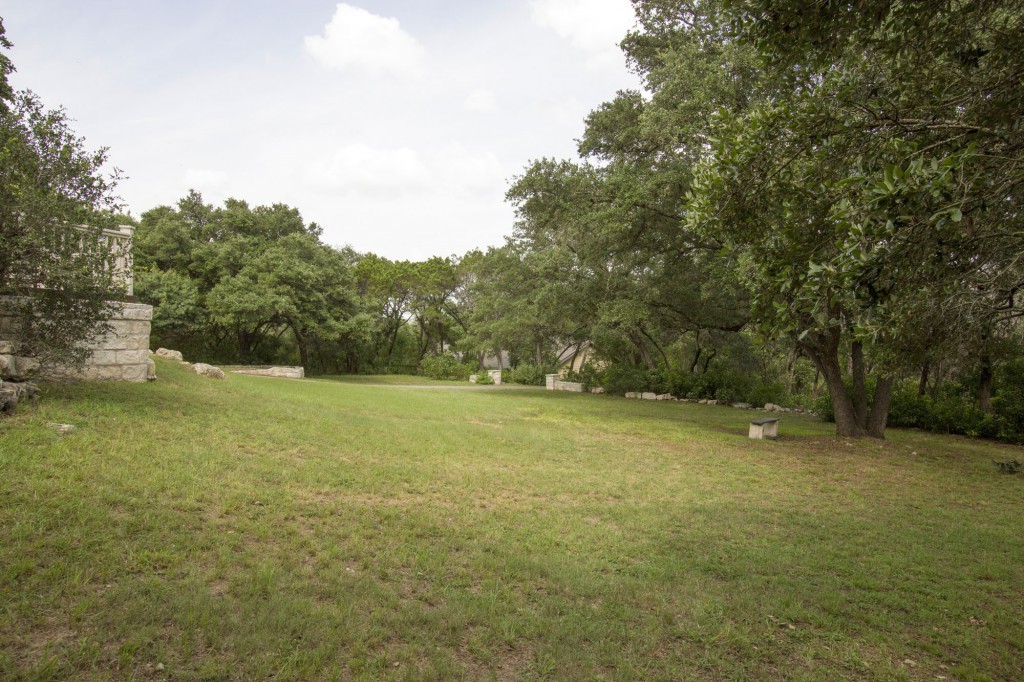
(622, 379)
(445, 366)
(527, 374)
(762, 394)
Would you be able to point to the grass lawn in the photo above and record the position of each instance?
(253, 528)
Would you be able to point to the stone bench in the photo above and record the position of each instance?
(765, 428)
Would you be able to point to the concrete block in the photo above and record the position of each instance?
(137, 343)
(103, 357)
(108, 342)
(135, 311)
(549, 381)
(106, 372)
(132, 357)
(134, 373)
(764, 428)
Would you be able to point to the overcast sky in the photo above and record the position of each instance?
(394, 124)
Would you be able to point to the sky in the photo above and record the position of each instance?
(396, 125)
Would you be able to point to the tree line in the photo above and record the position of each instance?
(814, 203)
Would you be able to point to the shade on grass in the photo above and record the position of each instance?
(253, 528)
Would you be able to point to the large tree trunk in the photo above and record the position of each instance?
(922, 383)
(300, 341)
(860, 391)
(854, 417)
(845, 413)
(879, 415)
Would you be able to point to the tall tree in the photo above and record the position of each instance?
(56, 269)
(874, 182)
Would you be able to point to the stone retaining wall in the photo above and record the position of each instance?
(121, 355)
(280, 372)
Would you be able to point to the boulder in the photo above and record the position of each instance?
(62, 429)
(712, 402)
(203, 369)
(597, 389)
(666, 396)
(631, 394)
(7, 366)
(169, 354)
(150, 370)
(26, 391)
(8, 397)
(742, 406)
(18, 368)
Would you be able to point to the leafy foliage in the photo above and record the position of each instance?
(56, 268)
(445, 366)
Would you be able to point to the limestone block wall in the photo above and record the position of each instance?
(121, 355)
(279, 372)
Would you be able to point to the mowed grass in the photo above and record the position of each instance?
(255, 528)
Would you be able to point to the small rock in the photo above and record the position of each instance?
(203, 369)
(169, 354)
(597, 389)
(63, 429)
(159, 666)
(702, 401)
(742, 406)
(712, 402)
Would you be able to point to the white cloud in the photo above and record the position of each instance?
(361, 169)
(481, 100)
(595, 26)
(204, 179)
(358, 40)
(358, 170)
